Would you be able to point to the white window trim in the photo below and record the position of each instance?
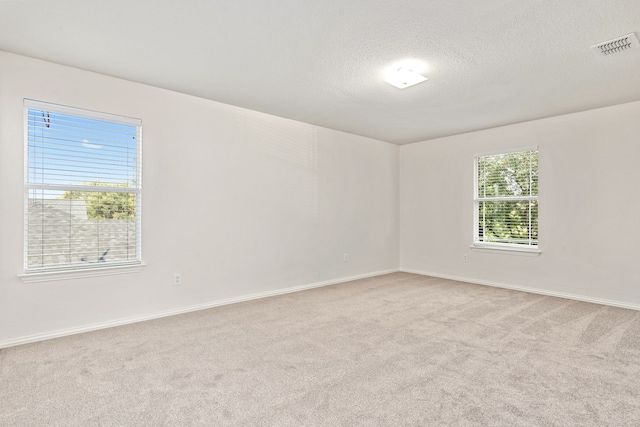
(91, 114)
(506, 151)
(511, 250)
(505, 248)
(48, 276)
(93, 270)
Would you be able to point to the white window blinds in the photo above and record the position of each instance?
(506, 199)
(82, 188)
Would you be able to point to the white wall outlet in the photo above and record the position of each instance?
(345, 258)
(177, 279)
(465, 257)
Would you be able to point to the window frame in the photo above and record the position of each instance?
(47, 273)
(512, 248)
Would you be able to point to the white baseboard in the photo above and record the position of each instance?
(576, 297)
(182, 310)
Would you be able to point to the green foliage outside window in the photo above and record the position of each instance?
(106, 204)
(513, 178)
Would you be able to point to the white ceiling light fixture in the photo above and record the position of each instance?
(404, 77)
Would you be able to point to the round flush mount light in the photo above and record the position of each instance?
(404, 74)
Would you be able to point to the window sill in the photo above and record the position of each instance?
(506, 250)
(47, 276)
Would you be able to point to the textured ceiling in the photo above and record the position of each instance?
(489, 63)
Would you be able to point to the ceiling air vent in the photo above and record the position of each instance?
(630, 41)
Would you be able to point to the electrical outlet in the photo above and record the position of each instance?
(177, 279)
(465, 257)
(345, 258)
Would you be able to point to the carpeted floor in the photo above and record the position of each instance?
(393, 350)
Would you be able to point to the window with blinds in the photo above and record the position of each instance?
(82, 188)
(506, 199)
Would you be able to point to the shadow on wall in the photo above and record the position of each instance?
(293, 147)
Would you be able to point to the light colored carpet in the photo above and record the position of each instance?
(394, 350)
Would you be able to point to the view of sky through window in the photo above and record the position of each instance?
(68, 150)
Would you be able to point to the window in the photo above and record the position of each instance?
(82, 189)
(506, 200)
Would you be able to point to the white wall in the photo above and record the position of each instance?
(237, 201)
(589, 219)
